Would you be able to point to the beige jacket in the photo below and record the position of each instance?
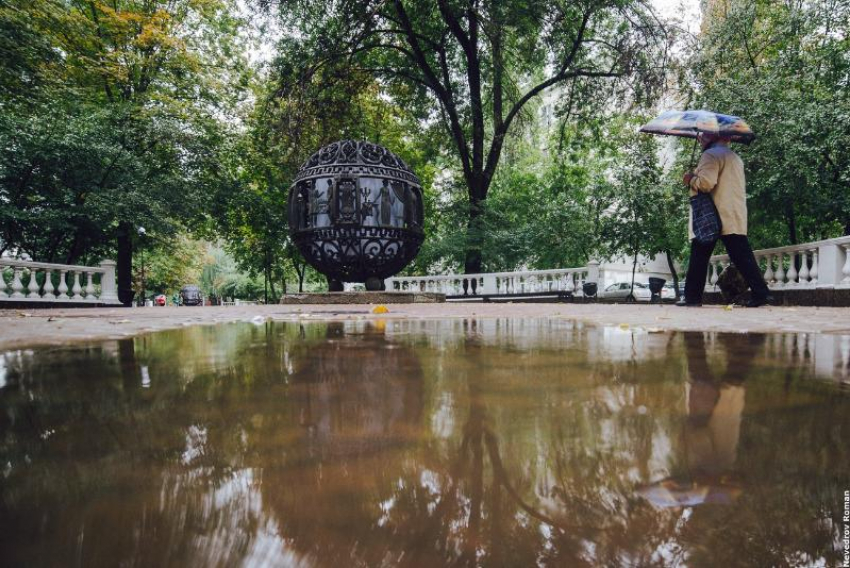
(720, 172)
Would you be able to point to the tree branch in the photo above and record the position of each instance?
(442, 94)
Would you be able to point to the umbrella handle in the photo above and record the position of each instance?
(693, 152)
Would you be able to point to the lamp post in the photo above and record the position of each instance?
(142, 234)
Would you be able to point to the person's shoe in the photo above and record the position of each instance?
(683, 303)
(758, 302)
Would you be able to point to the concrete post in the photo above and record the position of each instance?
(108, 289)
(593, 272)
(489, 284)
(830, 262)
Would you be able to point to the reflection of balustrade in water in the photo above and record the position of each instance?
(818, 264)
(825, 355)
(565, 280)
(59, 283)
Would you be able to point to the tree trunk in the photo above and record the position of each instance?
(634, 268)
(791, 218)
(672, 267)
(76, 249)
(474, 237)
(124, 262)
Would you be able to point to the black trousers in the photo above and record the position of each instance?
(741, 254)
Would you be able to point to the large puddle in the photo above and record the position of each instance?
(426, 443)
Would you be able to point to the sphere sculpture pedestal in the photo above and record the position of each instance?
(355, 213)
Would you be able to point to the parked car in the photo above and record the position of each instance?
(160, 300)
(622, 291)
(668, 292)
(191, 296)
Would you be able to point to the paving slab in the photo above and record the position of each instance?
(26, 328)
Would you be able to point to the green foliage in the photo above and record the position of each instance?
(472, 67)
(222, 278)
(783, 66)
(111, 119)
(169, 265)
(648, 212)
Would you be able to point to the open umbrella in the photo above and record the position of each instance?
(689, 123)
(683, 493)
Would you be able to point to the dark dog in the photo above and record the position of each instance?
(732, 285)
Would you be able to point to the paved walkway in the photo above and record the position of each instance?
(25, 328)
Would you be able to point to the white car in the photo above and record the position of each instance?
(623, 291)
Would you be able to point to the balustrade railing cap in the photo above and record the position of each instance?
(9, 262)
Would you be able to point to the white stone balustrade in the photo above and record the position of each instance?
(502, 283)
(818, 264)
(40, 286)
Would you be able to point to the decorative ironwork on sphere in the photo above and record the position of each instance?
(355, 213)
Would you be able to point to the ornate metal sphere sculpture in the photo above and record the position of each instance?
(355, 213)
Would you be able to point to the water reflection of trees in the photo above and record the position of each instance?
(331, 445)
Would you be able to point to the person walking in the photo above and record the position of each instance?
(720, 172)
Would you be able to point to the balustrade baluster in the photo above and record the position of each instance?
(780, 271)
(803, 276)
(2, 281)
(813, 273)
(63, 285)
(90, 287)
(570, 284)
(792, 269)
(768, 271)
(48, 285)
(16, 283)
(76, 289)
(32, 285)
(715, 273)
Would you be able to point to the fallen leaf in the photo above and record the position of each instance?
(24, 315)
(728, 308)
(380, 310)
(654, 330)
(624, 326)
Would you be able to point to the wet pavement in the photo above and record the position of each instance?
(468, 442)
(26, 328)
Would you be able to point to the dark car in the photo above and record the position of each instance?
(191, 296)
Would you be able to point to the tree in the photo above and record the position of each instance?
(171, 264)
(783, 66)
(280, 134)
(120, 126)
(471, 66)
(647, 213)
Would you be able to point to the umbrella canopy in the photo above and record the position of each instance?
(689, 123)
